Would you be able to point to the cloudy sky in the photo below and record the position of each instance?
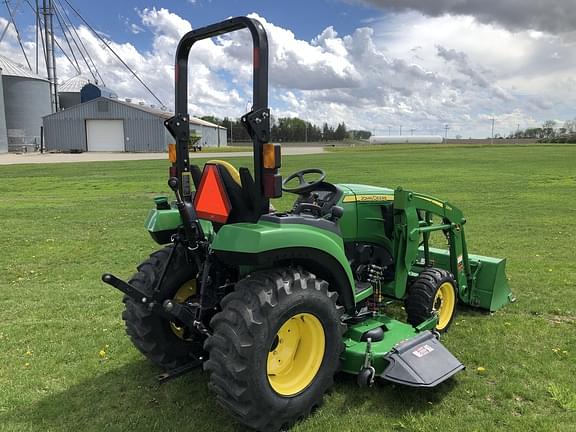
(374, 64)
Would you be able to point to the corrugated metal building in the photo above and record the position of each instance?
(105, 124)
(3, 136)
(26, 101)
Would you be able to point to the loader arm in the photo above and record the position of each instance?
(413, 220)
(481, 280)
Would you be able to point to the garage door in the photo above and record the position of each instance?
(105, 135)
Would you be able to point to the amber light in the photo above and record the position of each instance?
(172, 152)
(271, 156)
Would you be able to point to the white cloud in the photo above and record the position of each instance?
(407, 69)
(555, 16)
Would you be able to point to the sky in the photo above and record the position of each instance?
(428, 67)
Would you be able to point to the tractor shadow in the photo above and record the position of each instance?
(130, 398)
(127, 399)
(392, 401)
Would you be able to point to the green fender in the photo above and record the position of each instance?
(162, 224)
(266, 243)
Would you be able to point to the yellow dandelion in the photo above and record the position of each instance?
(480, 369)
(102, 353)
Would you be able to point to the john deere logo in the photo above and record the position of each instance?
(352, 198)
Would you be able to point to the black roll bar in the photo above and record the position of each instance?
(179, 124)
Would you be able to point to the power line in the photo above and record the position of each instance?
(41, 23)
(65, 16)
(114, 52)
(18, 38)
(67, 41)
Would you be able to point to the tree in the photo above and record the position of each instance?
(340, 132)
(548, 129)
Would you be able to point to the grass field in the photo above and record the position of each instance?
(66, 365)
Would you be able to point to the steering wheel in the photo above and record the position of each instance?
(303, 185)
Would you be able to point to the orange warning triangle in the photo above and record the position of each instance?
(211, 201)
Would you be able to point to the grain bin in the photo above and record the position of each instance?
(26, 101)
(93, 91)
(69, 91)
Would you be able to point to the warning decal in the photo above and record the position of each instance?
(423, 350)
(460, 261)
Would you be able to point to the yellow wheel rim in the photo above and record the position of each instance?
(187, 290)
(444, 304)
(296, 354)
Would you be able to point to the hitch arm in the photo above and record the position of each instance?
(130, 290)
(137, 295)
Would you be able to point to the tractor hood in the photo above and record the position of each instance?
(359, 192)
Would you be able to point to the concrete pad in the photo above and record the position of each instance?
(36, 157)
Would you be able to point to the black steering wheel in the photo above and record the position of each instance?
(303, 185)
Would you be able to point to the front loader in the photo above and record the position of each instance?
(272, 304)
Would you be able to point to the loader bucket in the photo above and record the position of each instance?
(489, 288)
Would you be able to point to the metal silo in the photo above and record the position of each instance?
(69, 91)
(26, 100)
(3, 137)
(93, 91)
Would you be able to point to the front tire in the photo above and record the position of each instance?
(161, 341)
(433, 292)
(275, 348)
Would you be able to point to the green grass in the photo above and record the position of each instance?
(64, 224)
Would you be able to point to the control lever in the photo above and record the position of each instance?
(192, 228)
(336, 212)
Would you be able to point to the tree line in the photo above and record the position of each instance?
(290, 129)
(550, 131)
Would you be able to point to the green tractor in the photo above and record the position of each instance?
(274, 304)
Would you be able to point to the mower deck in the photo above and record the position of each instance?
(398, 352)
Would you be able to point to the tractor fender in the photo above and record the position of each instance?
(162, 224)
(267, 244)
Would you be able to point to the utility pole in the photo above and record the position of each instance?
(37, 12)
(306, 133)
(50, 57)
(400, 130)
(492, 136)
(412, 132)
(389, 130)
(446, 127)
(518, 134)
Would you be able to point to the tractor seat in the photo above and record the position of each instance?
(230, 169)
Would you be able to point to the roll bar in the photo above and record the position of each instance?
(256, 121)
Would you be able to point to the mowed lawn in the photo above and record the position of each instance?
(66, 364)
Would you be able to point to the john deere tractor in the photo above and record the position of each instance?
(272, 304)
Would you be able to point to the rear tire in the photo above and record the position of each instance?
(270, 313)
(433, 292)
(151, 334)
